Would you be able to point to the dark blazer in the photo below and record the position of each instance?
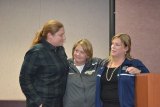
(43, 74)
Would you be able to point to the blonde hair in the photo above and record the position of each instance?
(87, 47)
(51, 26)
(126, 40)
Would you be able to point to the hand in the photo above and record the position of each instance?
(133, 70)
(40, 105)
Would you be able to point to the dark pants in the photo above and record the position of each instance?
(55, 102)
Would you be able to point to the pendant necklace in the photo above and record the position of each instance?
(109, 78)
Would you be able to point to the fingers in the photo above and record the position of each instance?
(133, 70)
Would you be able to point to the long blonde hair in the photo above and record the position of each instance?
(51, 26)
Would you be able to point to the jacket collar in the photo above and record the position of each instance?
(48, 45)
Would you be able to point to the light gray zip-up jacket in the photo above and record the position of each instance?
(81, 87)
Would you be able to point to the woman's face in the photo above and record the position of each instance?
(117, 48)
(58, 38)
(79, 55)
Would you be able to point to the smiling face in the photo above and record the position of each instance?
(82, 51)
(118, 49)
(79, 55)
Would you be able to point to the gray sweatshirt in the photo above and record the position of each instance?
(80, 89)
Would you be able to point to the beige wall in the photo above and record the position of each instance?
(141, 20)
(20, 19)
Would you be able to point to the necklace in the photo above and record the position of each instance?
(109, 78)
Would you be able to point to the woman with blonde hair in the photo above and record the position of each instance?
(81, 82)
(115, 80)
(44, 71)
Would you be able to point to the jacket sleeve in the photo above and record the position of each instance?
(100, 62)
(138, 64)
(26, 78)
